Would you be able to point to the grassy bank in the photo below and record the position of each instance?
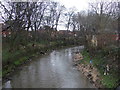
(99, 60)
(22, 54)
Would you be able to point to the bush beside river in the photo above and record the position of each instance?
(99, 61)
(20, 48)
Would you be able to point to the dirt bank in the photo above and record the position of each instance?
(88, 70)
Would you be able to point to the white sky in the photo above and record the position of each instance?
(78, 4)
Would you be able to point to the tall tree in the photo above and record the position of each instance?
(69, 15)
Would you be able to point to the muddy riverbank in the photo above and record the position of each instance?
(88, 70)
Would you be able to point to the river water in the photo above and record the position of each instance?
(54, 70)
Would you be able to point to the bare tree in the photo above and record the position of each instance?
(59, 11)
(74, 24)
(14, 15)
(53, 14)
(69, 15)
(103, 12)
(38, 14)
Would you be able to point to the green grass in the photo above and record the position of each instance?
(109, 81)
(0, 73)
(20, 61)
(13, 59)
(86, 56)
(6, 55)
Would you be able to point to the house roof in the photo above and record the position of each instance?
(4, 27)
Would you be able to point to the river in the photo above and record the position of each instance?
(54, 70)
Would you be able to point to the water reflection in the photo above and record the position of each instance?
(52, 71)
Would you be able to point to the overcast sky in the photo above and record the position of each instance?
(78, 4)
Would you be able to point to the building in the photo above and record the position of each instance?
(5, 31)
(104, 39)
